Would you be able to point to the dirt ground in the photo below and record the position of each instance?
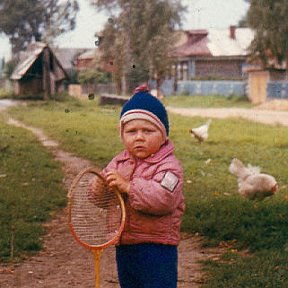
(63, 263)
(271, 112)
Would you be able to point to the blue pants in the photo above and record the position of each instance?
(147, 265)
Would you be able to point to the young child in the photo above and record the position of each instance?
(150, 179)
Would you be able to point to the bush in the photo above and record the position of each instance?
(93, 76)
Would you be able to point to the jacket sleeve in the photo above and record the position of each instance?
(154, 196)
(111, 166)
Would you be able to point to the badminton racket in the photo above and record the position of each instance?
(96, 214)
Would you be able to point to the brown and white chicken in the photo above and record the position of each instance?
(201, 132)
(251, 183)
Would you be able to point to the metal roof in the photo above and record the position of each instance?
(89, 54)
(215, 43)
(67, 56)
(221, 44)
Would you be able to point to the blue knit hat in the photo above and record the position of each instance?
(143, 105)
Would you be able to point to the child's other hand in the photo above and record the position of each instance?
(116, 181)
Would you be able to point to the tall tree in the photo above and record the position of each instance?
(138, 37)
(269, 20)
(23, 20)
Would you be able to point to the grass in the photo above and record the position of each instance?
(6, 94)
(214, 208)
(207, 101)
(31, 190)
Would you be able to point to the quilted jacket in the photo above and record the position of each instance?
(155, 202)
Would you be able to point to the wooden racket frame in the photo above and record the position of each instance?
(96, 249)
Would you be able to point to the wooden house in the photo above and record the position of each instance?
(38, 72)
(68, 58)
(212, 54)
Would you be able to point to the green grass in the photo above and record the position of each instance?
(207, 101)
(213, 206)
(5, 94)
(80, 127)
(30, 191)
(265, 269)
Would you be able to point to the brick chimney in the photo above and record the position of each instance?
(232, 29)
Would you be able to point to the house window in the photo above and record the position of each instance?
(184, 71)
(179, 71)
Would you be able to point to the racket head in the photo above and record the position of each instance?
(96, 215)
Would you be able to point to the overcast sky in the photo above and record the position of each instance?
(201, 14)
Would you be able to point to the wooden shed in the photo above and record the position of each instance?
(38, 72)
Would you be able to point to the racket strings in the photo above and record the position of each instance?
(95, 213)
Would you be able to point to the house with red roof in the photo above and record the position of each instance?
(212, 54)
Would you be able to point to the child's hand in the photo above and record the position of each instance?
(116, 181)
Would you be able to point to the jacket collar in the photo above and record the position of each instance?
(166, 149)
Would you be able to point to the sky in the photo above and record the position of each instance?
(201, 14)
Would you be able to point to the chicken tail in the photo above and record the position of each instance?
(253, 169)
(238, 169)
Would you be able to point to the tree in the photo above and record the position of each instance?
(138, 38)
(269, 20)
(23, 20)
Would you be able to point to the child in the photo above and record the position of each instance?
(150, 179)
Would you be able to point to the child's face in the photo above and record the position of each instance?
(142, 138)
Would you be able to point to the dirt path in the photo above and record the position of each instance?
(64, 264)
(258, 115)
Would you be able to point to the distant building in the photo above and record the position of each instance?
(92, 59)
(68, 57)
(38, 71)
(86, 59)
(212, 54)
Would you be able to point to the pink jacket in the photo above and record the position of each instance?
(155, 203)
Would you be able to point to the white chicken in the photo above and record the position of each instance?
(251, 183)
(201, 132)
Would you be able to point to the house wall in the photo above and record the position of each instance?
(82, 64)
(208, 69)
(223, 69)
(58, 72)
(28, 87)
(224, 88)
(277, 89)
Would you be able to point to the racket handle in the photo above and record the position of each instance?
(97, 254)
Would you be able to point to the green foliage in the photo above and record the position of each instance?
(9, 68)
(93, 76)
(44, 19)
(137, 39)
(269, 20)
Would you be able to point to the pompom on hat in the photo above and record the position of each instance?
(143, 105)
